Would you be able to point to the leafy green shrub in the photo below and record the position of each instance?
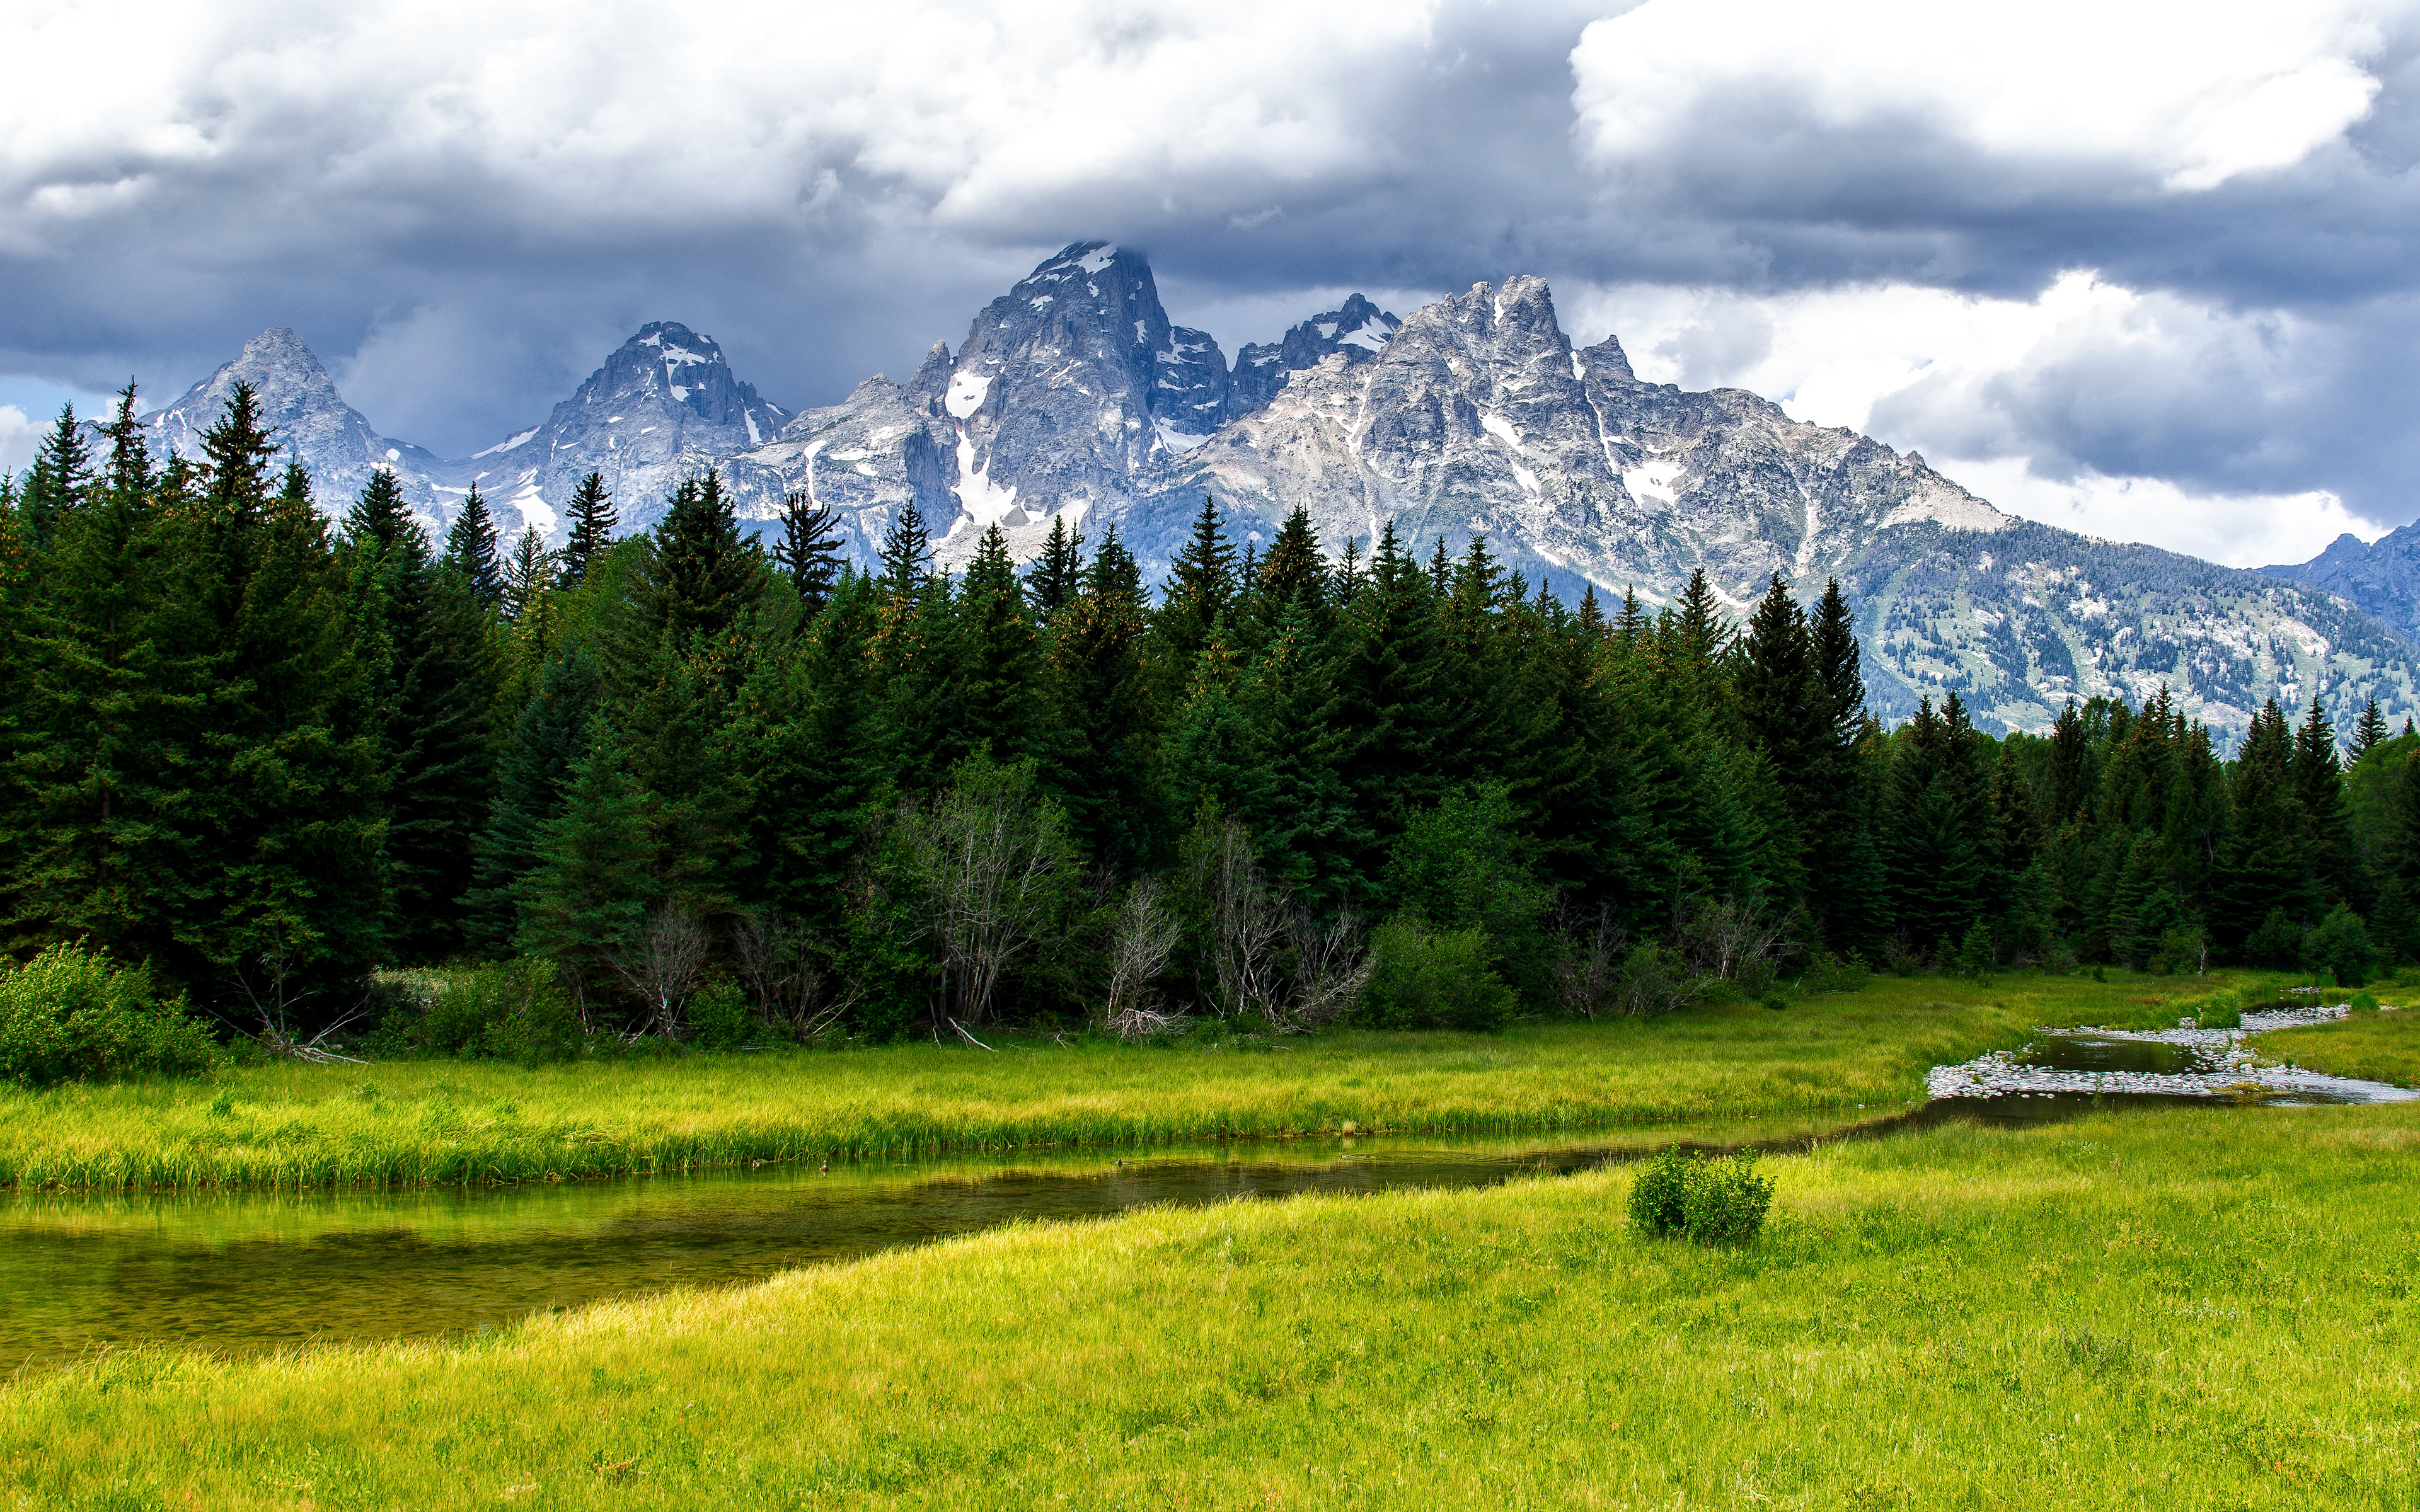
(2340, 943)
(2364, 1003)
(1828, 972)
(72, 1014)
(1711, 1201)
(719, 1018)
(1976, 954)
(1433, 979)
(515, 1011)
(1659, 1194)
(1726, 1201)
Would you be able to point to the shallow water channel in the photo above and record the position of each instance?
(253, 1271)
(247, 1271)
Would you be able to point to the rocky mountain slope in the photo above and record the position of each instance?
(311, 421)
(2381, 577)
(1074, 395)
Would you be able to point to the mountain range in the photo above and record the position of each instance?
(1073, 395)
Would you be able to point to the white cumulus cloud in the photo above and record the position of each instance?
(2188, 92)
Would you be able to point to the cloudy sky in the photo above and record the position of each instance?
(2141, 269)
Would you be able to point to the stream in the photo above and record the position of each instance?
(252, 1271)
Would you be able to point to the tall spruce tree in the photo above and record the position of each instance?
(592, 523)
(288, 907)
(585, 899)
(1102, 735)
(1201, 587)
(1058, 573)
(547, 743)
(991, 688)
(57, 482)
(808, 553)
(2369, 730)
(527, 574)
(907, 553)
(2318, 792)
(472, 549)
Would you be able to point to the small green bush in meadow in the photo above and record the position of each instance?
(1828, 972)
(1433, 979)
(1659, 1194)
(720, 1018)
(515, 1011)
(72, 1014)
(1711, 1201)
(1727, 1201)
(2340, 943)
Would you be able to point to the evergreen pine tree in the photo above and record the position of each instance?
(2264, 865)
(1201, 587)
(991, 689)
(526, 575)
(1102, 739)
(289, 906)
(379, 518)
(547, 743)
(2369, 730)
(1058, 573)
(2318, 792)
(591, 888)
(470, 547)
(56, 483)
(592, 523)
(907, 553)
(809, 552)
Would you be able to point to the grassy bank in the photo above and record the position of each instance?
(2373, 1046)
(292, 1124)
(2184, 1308)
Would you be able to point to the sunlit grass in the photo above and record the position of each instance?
(2181, 1308)
(2371, 1046)
(292, 1124)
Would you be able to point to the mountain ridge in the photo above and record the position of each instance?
(1075, 399)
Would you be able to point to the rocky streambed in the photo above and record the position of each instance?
(2182, 1062)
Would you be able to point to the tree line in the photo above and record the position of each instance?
(267, 753)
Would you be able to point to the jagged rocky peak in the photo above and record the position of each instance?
(1066, 387)
(666, 357)
(301, 406)
(1357, 329)
(2381, 577)
(664, 406)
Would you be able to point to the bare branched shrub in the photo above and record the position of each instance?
(1331, 966)
(1735, 941)
(662, 966)
(778, 963)
(1141, 938)
(995, 863)
(1653, 979)
(1244, 923)
(1588, 962)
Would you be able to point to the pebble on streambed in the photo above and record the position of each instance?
(2235, 1069)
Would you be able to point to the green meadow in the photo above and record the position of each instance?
(2170, 1308)
(2372, 1046)
(290, 1124)
(2176, 1308)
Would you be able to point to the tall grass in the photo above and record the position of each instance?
(292, 1124)
(2373, 1046)
(2179, 1309)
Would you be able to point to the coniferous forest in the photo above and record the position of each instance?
(1294, 784)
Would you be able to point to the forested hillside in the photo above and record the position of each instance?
(268, 755)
